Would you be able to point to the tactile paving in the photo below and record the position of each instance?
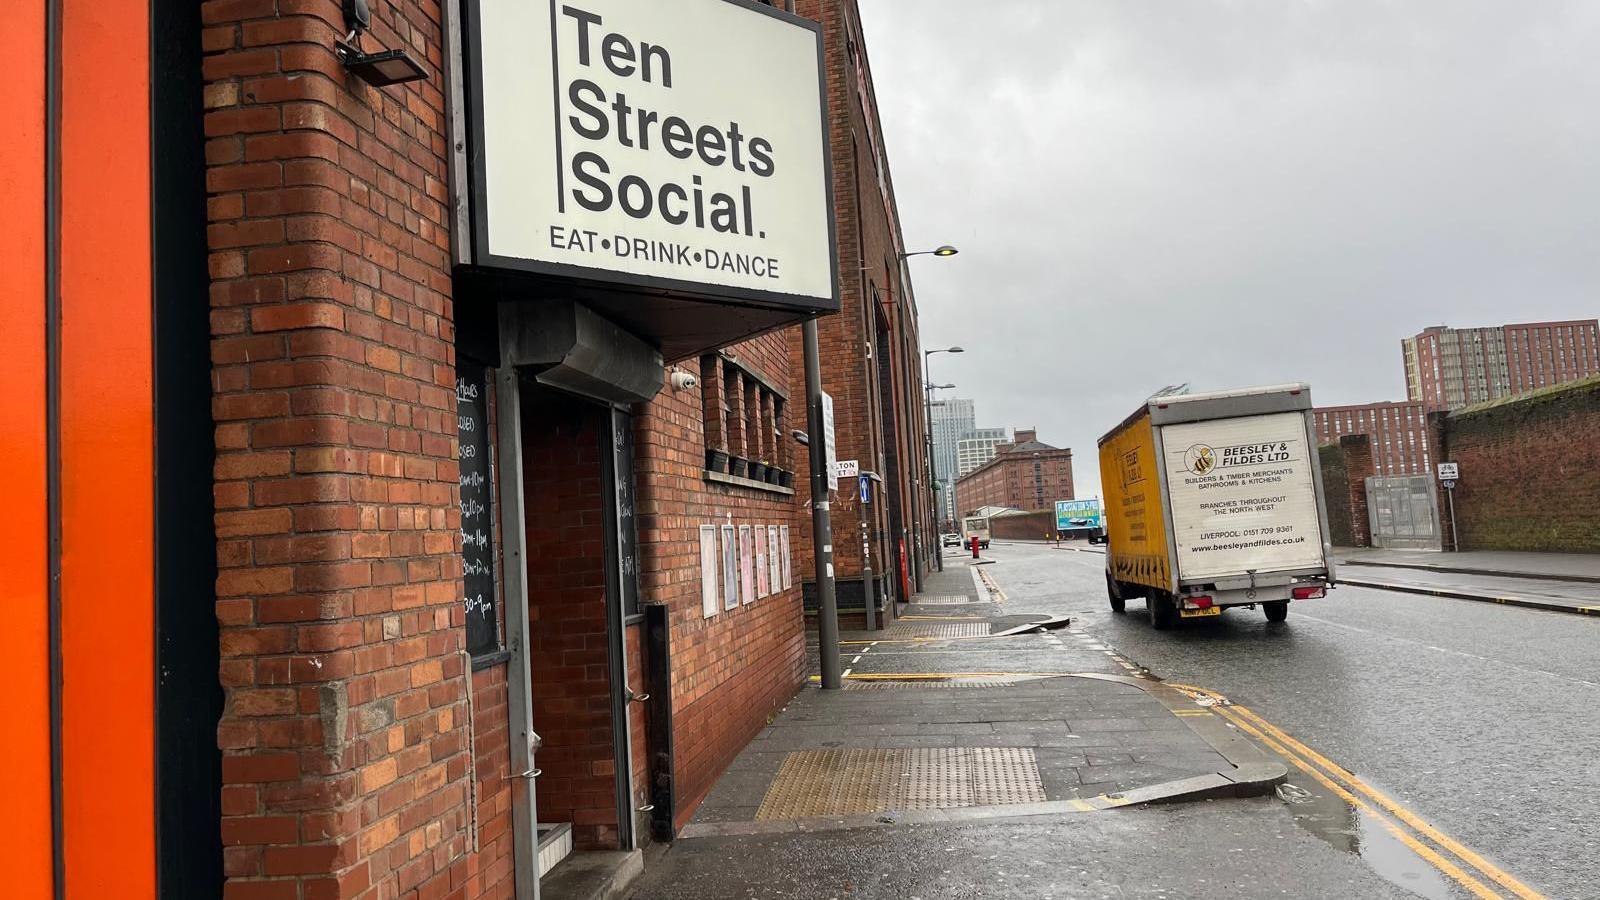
(953, 681)
(904, 630)
(842, 782)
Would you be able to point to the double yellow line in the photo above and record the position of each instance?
(1443, 852)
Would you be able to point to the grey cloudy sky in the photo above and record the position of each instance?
(1231, 192)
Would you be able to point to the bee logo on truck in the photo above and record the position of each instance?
(1200, 459)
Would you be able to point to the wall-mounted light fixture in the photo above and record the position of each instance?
(379, 69)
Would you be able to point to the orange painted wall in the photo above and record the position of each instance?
(107, 435)
(24, 667)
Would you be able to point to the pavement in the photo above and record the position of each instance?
(1557, 566)
(962, 762)
(1557, 582)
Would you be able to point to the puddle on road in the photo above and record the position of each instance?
(1357, 831)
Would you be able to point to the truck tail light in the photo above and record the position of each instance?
(1308, 593)
(1200, 602)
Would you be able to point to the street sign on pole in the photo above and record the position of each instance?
(866, 489)
(1449, 471)
(827, 441)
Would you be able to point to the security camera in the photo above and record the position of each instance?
(683, 381)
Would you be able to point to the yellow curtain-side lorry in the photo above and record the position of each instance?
(1215, 500)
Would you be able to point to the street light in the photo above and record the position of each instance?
(941, 250)
(927, 420)
(933, 467)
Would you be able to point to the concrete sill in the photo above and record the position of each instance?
(750, 483)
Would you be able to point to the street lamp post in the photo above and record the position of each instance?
(933, 468)
(943, 250)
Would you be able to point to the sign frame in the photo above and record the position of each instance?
(610, 281)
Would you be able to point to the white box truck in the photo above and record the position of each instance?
(1215, 500)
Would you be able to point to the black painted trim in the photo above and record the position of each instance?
(52, 405)
(188, 693)
(490, 660)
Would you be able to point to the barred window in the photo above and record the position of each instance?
(745, 423)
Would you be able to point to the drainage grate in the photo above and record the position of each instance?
(903, 630)
(952, 681)
(815, 783)
(945, 600)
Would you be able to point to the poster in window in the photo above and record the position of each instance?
(774, 559)
(747, 566)
(709, 562)
(763, 584)
(730, 569)
(783, 535)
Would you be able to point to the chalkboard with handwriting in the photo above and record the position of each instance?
(477, 528)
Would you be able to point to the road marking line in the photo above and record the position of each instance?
(1405, 815)
(1439, 862)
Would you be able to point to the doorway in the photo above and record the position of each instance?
(576, 587)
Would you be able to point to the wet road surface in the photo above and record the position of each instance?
(1485, 719)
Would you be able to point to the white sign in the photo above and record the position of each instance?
(847, 468)
(1449, 471)
(1243, 496)
(671, 145)
(827, 441)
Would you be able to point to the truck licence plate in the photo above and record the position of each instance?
(1194, 613)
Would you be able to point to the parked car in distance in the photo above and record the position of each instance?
(949, 539)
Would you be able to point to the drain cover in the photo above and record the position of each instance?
(815, 783)
(937, 630)
(945, 600)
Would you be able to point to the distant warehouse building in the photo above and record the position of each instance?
(1026, 474)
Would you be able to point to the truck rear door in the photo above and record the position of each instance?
(1243, 496)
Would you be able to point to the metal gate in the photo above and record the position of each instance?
(1403, 512)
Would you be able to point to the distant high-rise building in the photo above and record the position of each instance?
(974, 451)
(1448, 368)
(951, 421)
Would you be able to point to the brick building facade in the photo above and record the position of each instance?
(1448, 368)
(1026, 474)
(264, 540)
(871, 351)
(1398, 432)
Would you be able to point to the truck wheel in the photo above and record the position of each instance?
(1276, 610)
(1163, 614)
(1118, 602)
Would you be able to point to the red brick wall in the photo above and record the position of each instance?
(734, 670)
(338, 591)
(489, 871)
(1358, 467)
(1530, 471)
